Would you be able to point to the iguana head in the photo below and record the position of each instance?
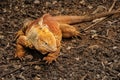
(41, 36)
(45, 41)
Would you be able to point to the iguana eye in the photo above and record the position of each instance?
(45, 43)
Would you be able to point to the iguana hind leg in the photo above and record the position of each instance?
(68, 31)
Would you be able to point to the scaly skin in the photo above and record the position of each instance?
(44, 38)
(45, 34)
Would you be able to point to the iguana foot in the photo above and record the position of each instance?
(19, 52)
(51, 57)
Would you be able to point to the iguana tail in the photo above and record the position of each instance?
(79, 19)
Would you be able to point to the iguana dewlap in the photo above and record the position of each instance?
(45, 34)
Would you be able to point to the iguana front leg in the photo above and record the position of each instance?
(22, 42)
(52, 56)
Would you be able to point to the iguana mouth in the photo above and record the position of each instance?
(49, 50)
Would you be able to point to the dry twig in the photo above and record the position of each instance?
(110, 9)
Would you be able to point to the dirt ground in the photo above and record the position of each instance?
(95, 55)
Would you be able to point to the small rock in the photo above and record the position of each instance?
(36, 2)
(37, 67)
(60, 78)
(54, 2)
(54, 78)
(119, 74)
(115, 47)
(68, 48)
(2, 18)
(29, 57)
(21, 76)
(94, 47)
(3, 78)
(37, 77)
(98, 76)
(16, 66)
(73, 41)
(115, 61)
(110, 63)
(94, 36)
(4, 10)
(16, 8)
(93, 31)
(77, 58)
(90, 7)
(13, 77)
(83, 2)
(47, 4)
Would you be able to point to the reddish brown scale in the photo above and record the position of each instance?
(31, 24)
(52, 24)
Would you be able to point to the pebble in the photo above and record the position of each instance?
(37, 67)
(94, 47)
(1, 36)
(60, 78)
(68, 48)
(119, 74)
(29, 57)
(115, 47)
(3, 78)
(83, 2)
(22, 77)
(77, 58)
(13, 77)
(90, 7)
(4, 10)
(16, 66)
(98, 76)
(47, 4)
(37, 78)
(93, 31)
(36, 2)
(54, 2)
